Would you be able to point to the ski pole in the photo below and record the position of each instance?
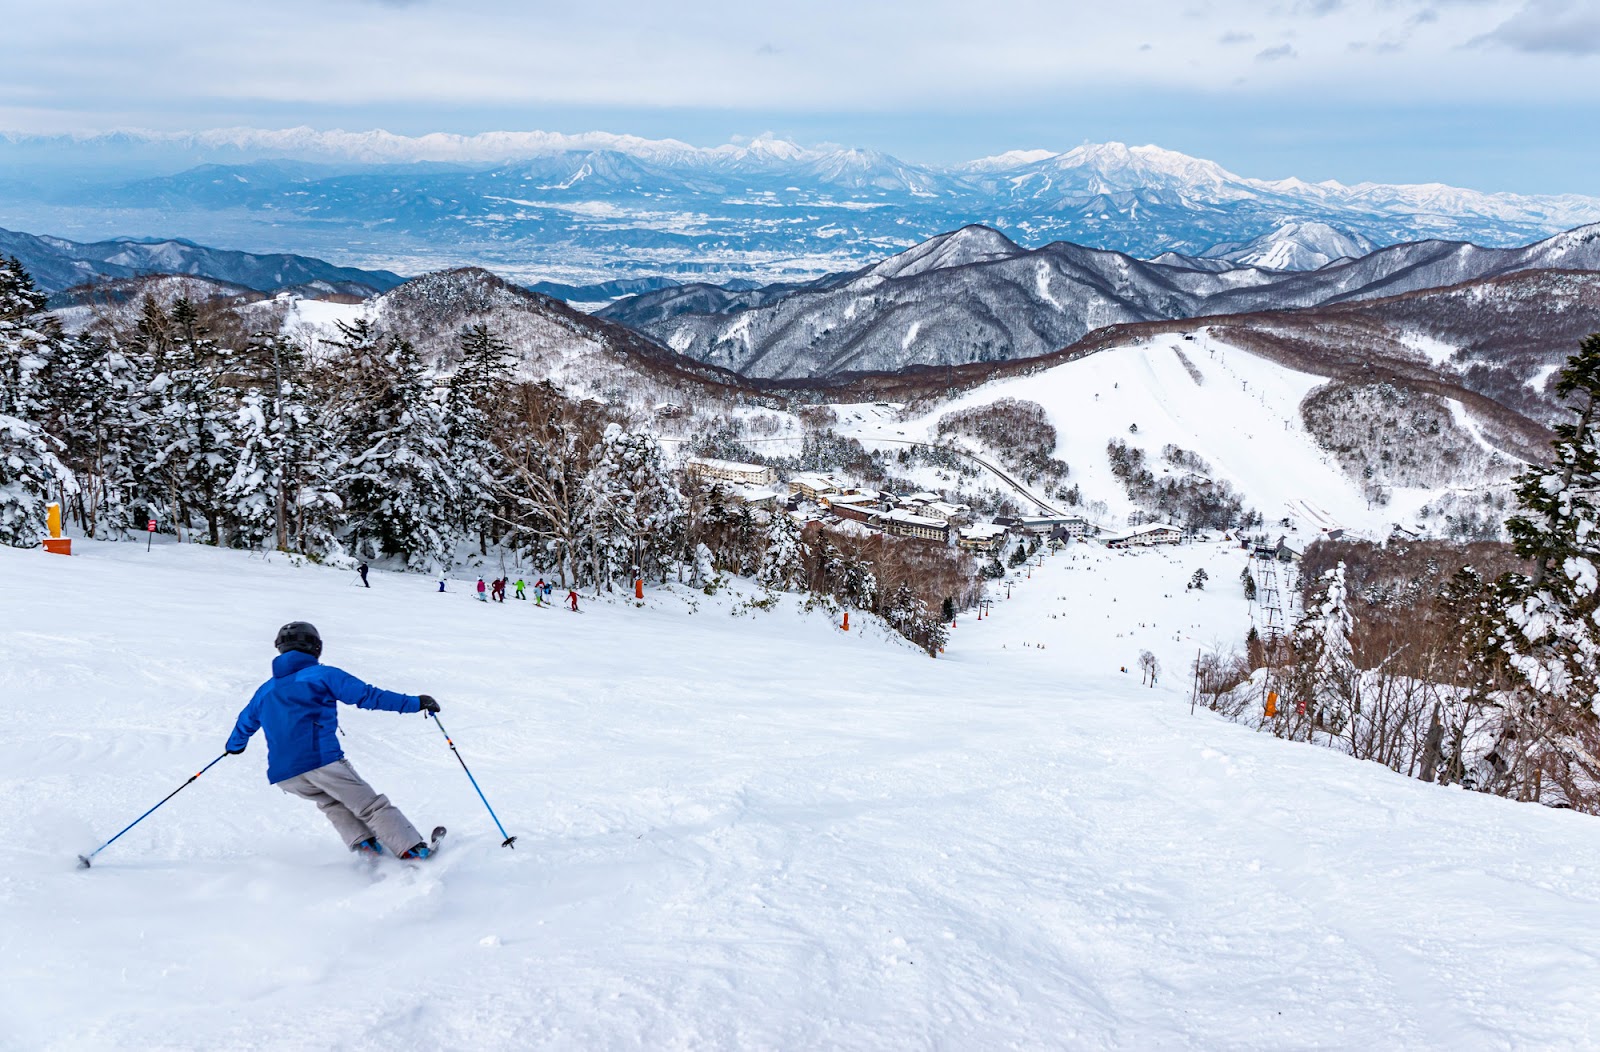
(510, 841)
(83, 860)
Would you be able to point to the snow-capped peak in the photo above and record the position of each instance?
(1295, 245)
(959, 248)
(1001, 162)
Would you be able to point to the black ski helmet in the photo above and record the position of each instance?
(301, 636)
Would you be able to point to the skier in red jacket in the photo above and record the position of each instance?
(572, 599)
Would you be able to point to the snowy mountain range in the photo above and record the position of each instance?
(596, 207)
(974, 295)
(57, 264)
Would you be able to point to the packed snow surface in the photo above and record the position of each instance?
(750, 831)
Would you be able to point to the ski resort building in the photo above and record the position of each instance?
(904, 524)
(945, 511)
(755, 496)
(816, 485)
(731, 471)
(1142, 536)
(1074, 526)
(983, 537)
(861, 507)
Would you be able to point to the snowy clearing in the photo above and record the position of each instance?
(746, 831)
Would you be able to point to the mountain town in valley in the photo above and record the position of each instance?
(922, 527)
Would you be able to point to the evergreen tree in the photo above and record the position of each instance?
(782, 564)
(399, 489)
(1332, 689)
(30, 470)
(92, 404)
(1198, 581)
(194, 439)
(472, 408)
(636, 511)
(1548, 634)
(250, 495)
(1249, 585)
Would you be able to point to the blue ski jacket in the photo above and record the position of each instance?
(296, 708)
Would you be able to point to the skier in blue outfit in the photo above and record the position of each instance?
(298, 710)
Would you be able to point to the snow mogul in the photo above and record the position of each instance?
(297, 708)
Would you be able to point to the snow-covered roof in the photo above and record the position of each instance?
(912, 520)
(815, 480)
(983, 531)
(1141, 531)
(851, 498)
(728, 465)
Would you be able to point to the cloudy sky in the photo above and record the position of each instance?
(1493, 94)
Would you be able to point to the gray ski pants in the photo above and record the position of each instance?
(356, 810)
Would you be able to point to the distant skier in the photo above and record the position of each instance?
(538, 586)
(572, 599)
(499, 590)
(297, 709)
(441, 584)
(361, 568)
(483, 594)
(520, 587)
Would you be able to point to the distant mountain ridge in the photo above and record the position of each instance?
(596, 207)
(57, 264)
(973, 295)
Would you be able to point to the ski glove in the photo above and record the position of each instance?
(428, 704)
(233, 752)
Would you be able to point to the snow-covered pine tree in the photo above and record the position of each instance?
(398, 487)
(1549, 635)
(92, 394)
(250, 496)
(909, 616)
(473, 403)
(30, 470)
(1332, 683)
(298, 448)
(637, 508)
(783, 562)
(193, 432)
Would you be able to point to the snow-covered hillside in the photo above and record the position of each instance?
(1236, 410)
(741, 832)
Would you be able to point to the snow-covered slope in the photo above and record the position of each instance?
(741, 832)
(1238, 411)
(1295, 246)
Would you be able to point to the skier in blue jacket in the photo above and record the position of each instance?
(297, 709)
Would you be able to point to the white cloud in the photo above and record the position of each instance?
(1558, 27)
(97, 63)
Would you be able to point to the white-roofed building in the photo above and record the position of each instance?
(731, 471)
(814, 485)
(982, 537)
(1154, 533)
(905, 524)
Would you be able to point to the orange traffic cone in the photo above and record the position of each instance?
(638, 588)
(846, 627)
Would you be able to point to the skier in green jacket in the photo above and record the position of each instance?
(520, 586)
